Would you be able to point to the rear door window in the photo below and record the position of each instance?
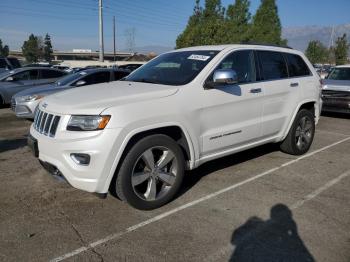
(296, 66)
(45, 74)
(26, 75)
(273, 65)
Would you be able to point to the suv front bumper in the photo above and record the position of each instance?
(100, 145)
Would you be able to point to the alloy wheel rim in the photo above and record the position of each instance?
(303, 133)
(154, 173)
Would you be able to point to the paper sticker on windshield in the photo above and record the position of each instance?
(199, 57)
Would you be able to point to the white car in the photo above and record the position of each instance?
(136, 137)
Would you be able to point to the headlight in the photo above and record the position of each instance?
(87, 123)
(30, 98)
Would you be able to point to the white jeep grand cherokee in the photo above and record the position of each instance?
(136, 137)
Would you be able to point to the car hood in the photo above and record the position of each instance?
(94, 99)
(41, 90)
(336, 85)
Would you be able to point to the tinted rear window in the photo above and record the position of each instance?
(297, 66)
(273, 65)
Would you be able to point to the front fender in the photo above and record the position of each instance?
(127, 137)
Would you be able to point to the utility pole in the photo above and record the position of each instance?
(114, 38)
(100, 17)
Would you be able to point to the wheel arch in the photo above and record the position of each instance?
(306, 104)
(173, 130)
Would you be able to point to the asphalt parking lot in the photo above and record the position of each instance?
(259, 205)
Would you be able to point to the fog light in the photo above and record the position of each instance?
(81, 159)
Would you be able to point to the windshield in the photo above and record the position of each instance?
(339, 74)
(66, 80)
(178, 68)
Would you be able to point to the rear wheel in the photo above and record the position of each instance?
(301, 134)
(151, 172)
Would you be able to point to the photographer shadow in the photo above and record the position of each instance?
(275, 239)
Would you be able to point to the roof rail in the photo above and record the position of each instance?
(265, 44)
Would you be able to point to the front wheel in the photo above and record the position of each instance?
(301, 134)
(151, 172)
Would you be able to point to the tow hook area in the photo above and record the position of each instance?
(53, 170)
(101, 195)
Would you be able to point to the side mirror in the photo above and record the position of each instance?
(9, 79)
(80, 83)
(223, 77)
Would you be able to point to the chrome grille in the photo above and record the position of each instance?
(46, 123)
(13, 104)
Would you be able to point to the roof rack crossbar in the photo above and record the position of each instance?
(265, 44)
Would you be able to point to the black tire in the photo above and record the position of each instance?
(297, 141)
(124, 188)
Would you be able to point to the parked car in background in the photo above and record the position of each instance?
(25, 102)
(8, 63)
(336, 90)
(75, 70)
(130, 67)
(60, 67)
(17, 80)
(38, 65)
(186, 107)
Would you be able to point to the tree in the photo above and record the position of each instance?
(237, 22)
(191, 35)
(212, 32)
(205, 26)
(317, 52)
(4, 50)
(32, 49)
(341, 50)
(266, 26)
(47, 48)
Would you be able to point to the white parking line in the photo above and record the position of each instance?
(230, 248)
(190, 204)
(320, 190)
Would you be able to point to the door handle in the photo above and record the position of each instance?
(255, 90)
(294, 84)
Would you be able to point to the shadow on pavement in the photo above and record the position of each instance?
(336, 115)
(275, 239)
(7, 145)
(194, 176)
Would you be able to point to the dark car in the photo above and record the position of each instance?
(25, 102)
(8, 63)
(14, 81)
(130, 67)
(336, 90)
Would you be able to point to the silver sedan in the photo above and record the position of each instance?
(336, 90)
(24, 103)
